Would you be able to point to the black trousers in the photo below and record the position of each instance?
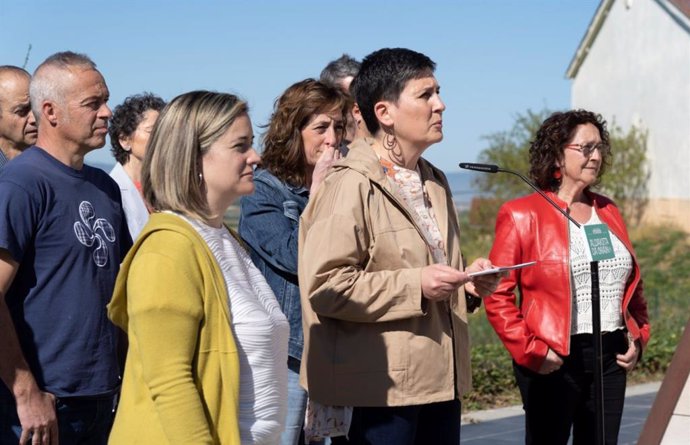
(565, 399)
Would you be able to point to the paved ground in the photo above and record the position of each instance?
(505, 426)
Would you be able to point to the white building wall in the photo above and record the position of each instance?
(638, 72)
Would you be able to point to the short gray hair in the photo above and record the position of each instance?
(338, 69)
(45, 85)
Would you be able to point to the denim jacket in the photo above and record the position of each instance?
(269, 224)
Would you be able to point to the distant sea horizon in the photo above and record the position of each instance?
(462, 187)
(461, 184)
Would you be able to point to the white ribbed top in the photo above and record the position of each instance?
(613, 275)
(261, 333)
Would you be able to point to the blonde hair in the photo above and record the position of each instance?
(184, 132)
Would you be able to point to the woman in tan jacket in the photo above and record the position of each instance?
(380, 270)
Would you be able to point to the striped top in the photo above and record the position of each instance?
(261, 332)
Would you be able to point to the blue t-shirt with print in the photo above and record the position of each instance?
(67, 231)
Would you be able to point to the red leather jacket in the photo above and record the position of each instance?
(529, 229)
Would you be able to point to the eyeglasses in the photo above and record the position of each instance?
(588, 149)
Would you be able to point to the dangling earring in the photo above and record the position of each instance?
(201, 178)
(389, 141)
(557, 174)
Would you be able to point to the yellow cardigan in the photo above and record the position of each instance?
(181, 379)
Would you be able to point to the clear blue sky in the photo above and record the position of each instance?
(495, 58)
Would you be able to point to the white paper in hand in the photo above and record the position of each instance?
(499, 269)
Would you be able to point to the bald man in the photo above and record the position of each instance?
(63, 236)
(17, 123)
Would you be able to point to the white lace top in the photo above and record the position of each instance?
(261, 333)
(613, 276)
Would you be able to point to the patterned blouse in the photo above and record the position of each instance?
(408, 187)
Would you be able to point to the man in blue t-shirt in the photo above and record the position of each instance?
(62, 238)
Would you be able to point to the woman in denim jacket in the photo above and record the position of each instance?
(301, 143)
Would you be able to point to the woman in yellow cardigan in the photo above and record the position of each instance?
(182, 288)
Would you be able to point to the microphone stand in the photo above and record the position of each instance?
(596, 303)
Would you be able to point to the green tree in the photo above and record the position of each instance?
(625, 181)
(510, 149)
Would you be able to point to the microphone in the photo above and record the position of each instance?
(485, 168)
(491, 168)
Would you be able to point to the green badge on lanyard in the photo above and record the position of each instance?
(599, 242)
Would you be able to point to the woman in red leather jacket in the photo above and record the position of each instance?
(549, 332)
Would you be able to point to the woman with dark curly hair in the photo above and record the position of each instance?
(549, 333)
(130, 128)
(300, 145)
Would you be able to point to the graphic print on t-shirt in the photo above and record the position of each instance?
(91, 231)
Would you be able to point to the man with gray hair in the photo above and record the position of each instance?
(17, 123)
(62, 238)
(340, 73)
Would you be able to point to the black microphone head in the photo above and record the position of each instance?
(486, 168)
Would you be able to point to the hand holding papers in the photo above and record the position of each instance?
(499, 269)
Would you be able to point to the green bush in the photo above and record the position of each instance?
(492, 378)
(657, 356)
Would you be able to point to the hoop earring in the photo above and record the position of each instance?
(389, 142)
